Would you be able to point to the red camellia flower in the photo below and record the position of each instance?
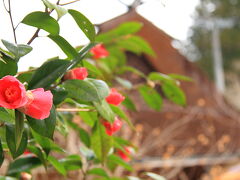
(77, 73)
(39, 103)
(114, 127)
(114, 97)
(12, 93)
(125, 155)
(99, 51)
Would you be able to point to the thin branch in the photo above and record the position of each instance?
(64, 4)
(73, 110)
(11, 18)
(35, 35)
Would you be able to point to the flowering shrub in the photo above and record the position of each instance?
(36, 103)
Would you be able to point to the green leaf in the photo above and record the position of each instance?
(124, 82)
(19, 127)
(180, 77)
(133, 70)
(9, 67)
(11, 141)
(5, 116)
(128, 103)
(122, 30)
(98, 171)
(155, 176)
(122, 115)
(83, 23)
(23, 164)
(93, 70)
(72, 162)
(85, 138)
(40, 154)
(64, 45)
(155, 76)
(174, 93)
(42, 20)
(88, 117)
(46, 143)
(50, 71)
(57, 165)
(59, 94)
(7, 178)
(6, 53)
(136, 45)
(60, 10)
(44, 127)
(101, 142)
(117, 160)
(87, 90)
(18, 50)
(151, 97)
(1, 153)
(104, 110)
(118, 54)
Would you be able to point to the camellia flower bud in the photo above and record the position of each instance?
(39, 103)
(99, 51)
(114, 97)
(12, 93)
(125, 155)
(77, 73)
(112, 128)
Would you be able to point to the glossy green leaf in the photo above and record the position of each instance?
(60, 10)
(136, 45)
(46, 143)
(83, 134)
(104, 110)
(174, 93)
(6, 53)
(18, 50)
(11, 141)
(92, 69)
(117, 160)
(180, 77)
(86, 90)
(23, 164)
(7, 178)
(43, 21)
(64, 45)
(1, 153)
(39, 153)
(101, 142)
(155, 76)
(122, 115)
(71, 162)
(122, 30)
(133, 70)
(83, 23)
(59, 94)
(19, 127)
(128, 103)
(151, 97)
(155, 176)
(44, 127)
(9, 67)
(57, 165)
(124, 82)
(5, 116)
(89, 117)
(50, 71)
(98, 171)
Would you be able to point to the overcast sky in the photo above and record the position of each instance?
(172, 16)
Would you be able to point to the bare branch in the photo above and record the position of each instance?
(64, 4)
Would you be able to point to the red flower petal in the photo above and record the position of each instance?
(99, 51)
(12, 93)
(77, 73)
(114, 97)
